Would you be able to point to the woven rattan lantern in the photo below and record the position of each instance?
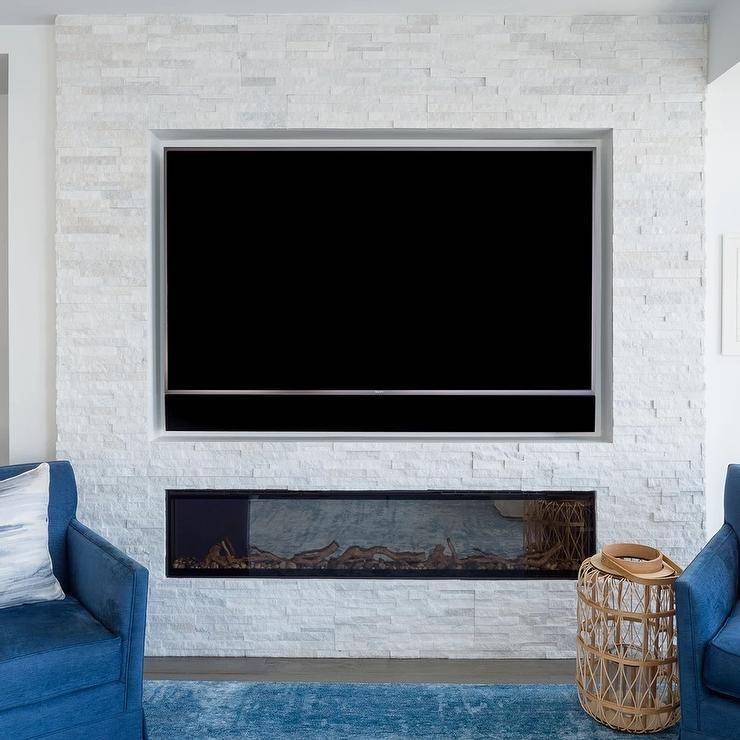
(627, 668)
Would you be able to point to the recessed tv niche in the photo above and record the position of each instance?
(380, 290)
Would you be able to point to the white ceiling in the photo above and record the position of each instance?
(43, 11)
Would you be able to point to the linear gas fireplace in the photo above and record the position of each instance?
(350, 534)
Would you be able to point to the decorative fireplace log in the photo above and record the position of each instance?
(314, 557)
(215, 557)
(229, 547)
(257, 556)
(355, 552)
(490, 560)
(437, 559)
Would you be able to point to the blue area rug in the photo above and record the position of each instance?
(360, 711)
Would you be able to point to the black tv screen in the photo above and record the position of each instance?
(367, 290)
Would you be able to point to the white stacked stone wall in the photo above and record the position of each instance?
(119, 77)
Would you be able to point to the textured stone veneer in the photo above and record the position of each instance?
(120, 77)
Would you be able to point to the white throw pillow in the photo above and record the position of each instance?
(25, 564)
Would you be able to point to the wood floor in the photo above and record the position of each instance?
(361, 670)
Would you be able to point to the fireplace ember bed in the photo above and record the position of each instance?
(353, 534)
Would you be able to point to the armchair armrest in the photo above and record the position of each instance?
(705, 595)
(113, 588)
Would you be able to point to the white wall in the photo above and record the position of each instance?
(31, 91)
(724, 37)
(121, 77)
(723, 217)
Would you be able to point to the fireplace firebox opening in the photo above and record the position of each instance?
(352, 534)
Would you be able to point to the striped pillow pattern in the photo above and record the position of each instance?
(26, 574)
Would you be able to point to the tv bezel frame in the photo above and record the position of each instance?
(599, 143)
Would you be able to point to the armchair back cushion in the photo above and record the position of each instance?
(62, 509)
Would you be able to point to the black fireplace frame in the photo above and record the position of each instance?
(173, 495)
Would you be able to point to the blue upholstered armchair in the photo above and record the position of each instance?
(708, 614)
(73, 668)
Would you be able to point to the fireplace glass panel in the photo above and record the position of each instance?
(350, 534)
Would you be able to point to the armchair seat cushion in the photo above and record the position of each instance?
(722, 658)
(52, 648)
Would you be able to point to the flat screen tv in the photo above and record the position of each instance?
(379, 290)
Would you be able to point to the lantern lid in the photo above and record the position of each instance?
(636, 562)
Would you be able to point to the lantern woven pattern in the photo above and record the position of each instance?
(626, 660)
